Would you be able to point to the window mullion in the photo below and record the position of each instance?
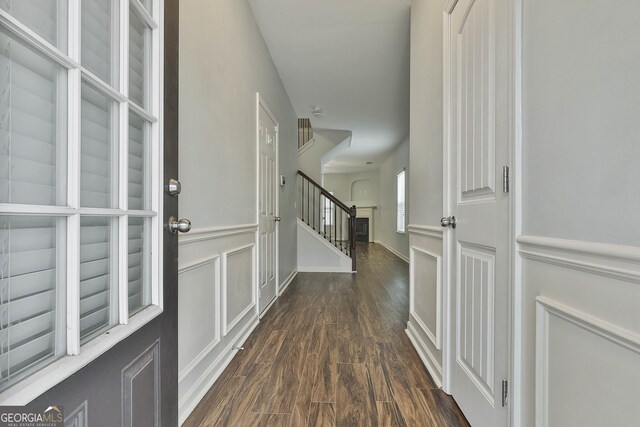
(123, 283)
(73, 183)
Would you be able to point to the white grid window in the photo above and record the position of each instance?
(400, 202)
(329, 209)
(80, 181)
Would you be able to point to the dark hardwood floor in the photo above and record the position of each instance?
(332, 351)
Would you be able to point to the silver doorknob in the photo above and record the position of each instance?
(183, 226)
(448, 221)
(276, 219)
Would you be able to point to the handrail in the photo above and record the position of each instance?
(329, 216)
(325, 193)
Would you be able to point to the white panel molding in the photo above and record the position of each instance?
(210, 233)
(612, 261)
(228, 326)
(425, 230)
(546, 307)
(214, 261)
(285, 284)
(428, 359)
(190, 399)
(393, 251)
(434, 336)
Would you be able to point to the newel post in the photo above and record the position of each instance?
(352, 236)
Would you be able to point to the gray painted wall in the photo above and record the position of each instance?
(386, 214)
(581, 146)
(426, 113)
(224, 61)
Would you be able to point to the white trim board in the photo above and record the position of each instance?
(322, 270)
(427, 358)
(425, 230)
(393, 251)
(613, 261)
(285, 284)
(209, 233)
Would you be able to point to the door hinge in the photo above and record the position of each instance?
(505, 179)
(505, 393)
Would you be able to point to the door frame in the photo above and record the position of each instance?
(514, 13)
(260, 102)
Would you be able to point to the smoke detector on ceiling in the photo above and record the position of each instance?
(316, 112)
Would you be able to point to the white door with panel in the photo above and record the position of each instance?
(479, 242)
(267, 205)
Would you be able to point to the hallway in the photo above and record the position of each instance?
(332, 351)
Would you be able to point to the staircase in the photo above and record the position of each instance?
(327, 216)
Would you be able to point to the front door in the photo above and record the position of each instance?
(267, 205)
(135, 383)
(479, 242)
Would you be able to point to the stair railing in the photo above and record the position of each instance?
(305, 132)
(327, 215)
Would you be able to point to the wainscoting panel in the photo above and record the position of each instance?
(198, 330)
(217, 305)
(426, 296)
(238, 285)
(569, 346)
(579, 346)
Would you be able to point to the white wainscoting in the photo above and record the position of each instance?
(579, 347)
(238, 290)
(425, 326)
(217, 305)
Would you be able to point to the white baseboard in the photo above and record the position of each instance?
(323, 270)
(283, 287)
(188, 403)
(426, 356)
(393, 251)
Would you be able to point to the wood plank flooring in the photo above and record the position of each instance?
(332, 351)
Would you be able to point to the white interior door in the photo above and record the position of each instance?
(267, 205)
(480, 241)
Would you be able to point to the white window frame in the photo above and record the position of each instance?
(329, 207)
(402, 230)
(77, 355)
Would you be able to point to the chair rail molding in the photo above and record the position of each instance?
(425, 230)
(208, 233)
(612, 261)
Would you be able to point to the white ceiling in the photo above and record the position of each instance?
(351, 57)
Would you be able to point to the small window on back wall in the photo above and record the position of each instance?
(400, 202)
